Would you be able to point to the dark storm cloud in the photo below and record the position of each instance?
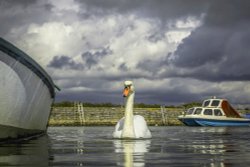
(92, 59)
(167, 97)
(89, 59)
(92, 96)
(163, 9)
(18, 13)
(65, 62)
(208, 50)
(226, 13)
(149, 65)
(10, 3)
(156, 37)
(123, 67)
(219, 49)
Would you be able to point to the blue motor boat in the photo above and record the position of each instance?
(213, 112)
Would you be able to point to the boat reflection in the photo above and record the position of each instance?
(133, 151)
(25, 153)
(213, 146)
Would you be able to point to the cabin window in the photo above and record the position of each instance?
(190, 111)
(215, 103)
(217, 112)
(208, 112)
(197, 111)
(206, 103)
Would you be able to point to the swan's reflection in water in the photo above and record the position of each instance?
(133, 150)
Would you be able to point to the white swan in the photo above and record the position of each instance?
(131, 126)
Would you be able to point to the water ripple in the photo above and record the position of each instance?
(169, 146)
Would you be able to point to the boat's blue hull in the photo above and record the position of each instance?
(213, 122)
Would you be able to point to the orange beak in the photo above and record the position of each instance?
(126, 91)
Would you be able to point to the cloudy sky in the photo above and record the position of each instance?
(175, 51)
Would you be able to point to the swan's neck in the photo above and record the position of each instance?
(128, 128)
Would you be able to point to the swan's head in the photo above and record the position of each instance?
(128, 88)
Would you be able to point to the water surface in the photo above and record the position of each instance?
(170, 146)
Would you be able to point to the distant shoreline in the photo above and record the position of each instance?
(109, 116)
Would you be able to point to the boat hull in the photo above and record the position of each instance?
(9, 133)
(26, 94)
(214, 122)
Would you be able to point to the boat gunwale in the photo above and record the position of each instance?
(26, 60)
(216, 118)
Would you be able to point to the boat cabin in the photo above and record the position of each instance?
(216, 107)
(205, 111)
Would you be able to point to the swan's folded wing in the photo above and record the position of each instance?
(141, 128)
(118, 128)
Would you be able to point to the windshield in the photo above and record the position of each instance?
(206, 103)
(215, 103)
(190, 111)
(197, 111)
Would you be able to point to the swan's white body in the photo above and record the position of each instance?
(140, 128)
(131, 126)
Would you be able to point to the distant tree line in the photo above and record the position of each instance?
(192, 104)
(136, 105)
